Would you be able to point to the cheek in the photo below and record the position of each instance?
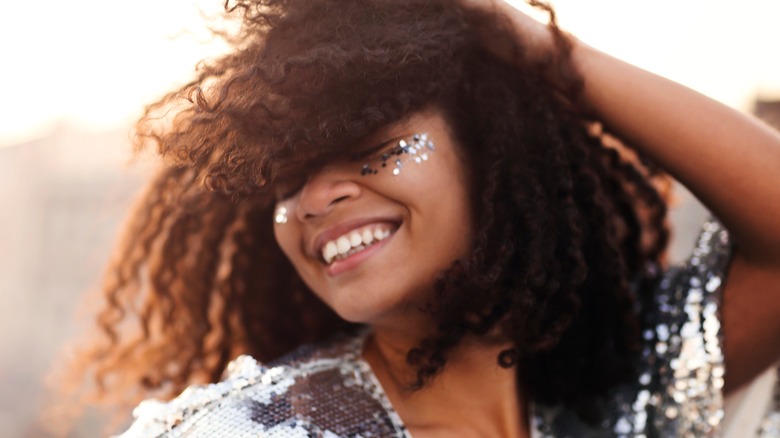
(287, 230)
(441, 211)
(289, 236)
(452, 205)
(451, 223)
(285, 238)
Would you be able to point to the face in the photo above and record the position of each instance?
(370, 235)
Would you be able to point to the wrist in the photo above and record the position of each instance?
(537, 37)
(550, 48)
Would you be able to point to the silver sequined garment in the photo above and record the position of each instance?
(330, 391)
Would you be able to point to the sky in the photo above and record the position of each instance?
(95, 64)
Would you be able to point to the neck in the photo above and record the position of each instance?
(472, 396)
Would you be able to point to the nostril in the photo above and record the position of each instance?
(310, 215)
(339, 199)
(325, 191)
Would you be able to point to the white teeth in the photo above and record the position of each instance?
(343, 245)
(355, 239)
(352, 243)
(367, 236)
(329, 251)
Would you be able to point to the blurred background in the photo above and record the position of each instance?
(76, 74)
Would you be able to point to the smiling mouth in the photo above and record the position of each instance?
(355, 241)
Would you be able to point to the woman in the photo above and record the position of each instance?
(441, 183)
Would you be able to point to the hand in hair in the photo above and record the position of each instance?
(542, 44)
(701, 143)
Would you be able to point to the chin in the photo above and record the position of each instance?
(375, 309)
(360, 312)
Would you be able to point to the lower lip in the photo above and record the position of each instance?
(344, 265)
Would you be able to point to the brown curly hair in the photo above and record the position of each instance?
(570, 227)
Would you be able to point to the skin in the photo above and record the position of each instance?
(424, 199)
(431, 200)
(702, 143)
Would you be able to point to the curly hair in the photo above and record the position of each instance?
(570, 227)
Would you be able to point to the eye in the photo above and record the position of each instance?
(415, 148)
(378, 150)
(283, 195)
(286, 188)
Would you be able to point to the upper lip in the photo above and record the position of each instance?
(342, 228)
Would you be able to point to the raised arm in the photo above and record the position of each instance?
(729, 160)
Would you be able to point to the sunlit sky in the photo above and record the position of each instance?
(96, 63)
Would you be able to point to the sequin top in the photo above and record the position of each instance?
(330, 391)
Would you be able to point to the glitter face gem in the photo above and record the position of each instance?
(417, 149)
(280, 216)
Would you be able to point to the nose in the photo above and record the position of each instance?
(325, 189)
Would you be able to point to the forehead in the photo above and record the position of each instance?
(304, 161)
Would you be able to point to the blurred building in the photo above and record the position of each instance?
(61, 199)
(768, 111)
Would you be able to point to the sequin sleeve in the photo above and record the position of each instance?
(154, 418)
(684, 367)
(323, 390)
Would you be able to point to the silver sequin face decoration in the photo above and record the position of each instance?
(280, 216)
(416, 149)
